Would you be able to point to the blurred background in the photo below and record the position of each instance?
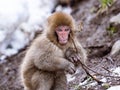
(21, 21)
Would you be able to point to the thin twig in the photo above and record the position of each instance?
(83, 66)
(86, 67)
(106, 69)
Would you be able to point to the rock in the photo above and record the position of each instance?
(115, 19)
(115, 48)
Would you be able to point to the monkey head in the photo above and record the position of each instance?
(62, 34)
(60, 27)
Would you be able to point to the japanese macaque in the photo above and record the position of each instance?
(49, 56)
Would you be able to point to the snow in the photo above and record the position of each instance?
(67, 10)
(12, 14)
(114, 88)
(70, 77)
(2, 35)
(19, 20)
(103, 80)
(39, 10)
(85, 82)
(116, 71)
(115, 19)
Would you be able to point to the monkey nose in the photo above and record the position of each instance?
(63, 34)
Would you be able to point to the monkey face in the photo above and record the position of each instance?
(63, 34)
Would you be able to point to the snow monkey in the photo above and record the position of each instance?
(45, 63)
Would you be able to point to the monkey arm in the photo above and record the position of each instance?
(76, 53)
(52, 63)
(81, 51)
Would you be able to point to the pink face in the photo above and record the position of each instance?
(63, 34)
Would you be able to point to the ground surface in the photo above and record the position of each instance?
(95, 38)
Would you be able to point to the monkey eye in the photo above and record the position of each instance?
(67, 29)
(59, 29)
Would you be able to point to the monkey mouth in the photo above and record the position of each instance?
(63, 42)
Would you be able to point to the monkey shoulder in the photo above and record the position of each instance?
(42, 45)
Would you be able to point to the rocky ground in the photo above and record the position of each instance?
(95, 38)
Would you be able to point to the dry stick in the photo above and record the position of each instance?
(106, 69)
(83, 66)
(99, 73)
(87, 72)
(110, 72)
(86, 67)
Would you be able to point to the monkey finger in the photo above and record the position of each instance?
(72, 68)
(71, 71)
(78, 57)
(71, 59)
(75, 59)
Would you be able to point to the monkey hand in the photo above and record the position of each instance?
(71, 68)
(72, 56)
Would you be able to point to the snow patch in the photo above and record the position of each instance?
(64, 9)
(19, 20)
(104, 80)
(114, 88)
(116, 71)
(70, 77)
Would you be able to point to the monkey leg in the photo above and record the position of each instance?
(42, 80)
(60, 81)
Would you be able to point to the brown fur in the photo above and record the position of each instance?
(44, 63)
(59, 18)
